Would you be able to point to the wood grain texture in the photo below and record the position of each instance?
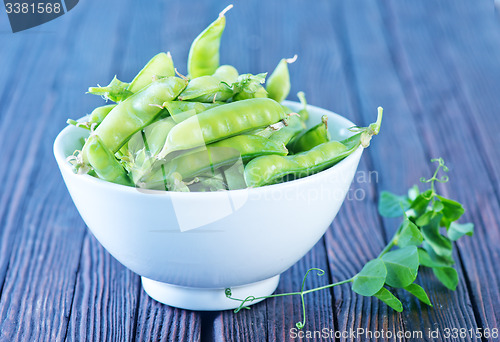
(376, 83)
(453, 128)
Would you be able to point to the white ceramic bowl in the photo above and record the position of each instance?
(188, 247)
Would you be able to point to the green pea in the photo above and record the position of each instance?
(311, 138)
(304, 113)
(103, 162)
(278, 84)
(115, 91)
(203, 56)
(292, 129)
(206, 89)
(159, 66)
(137, 111)
(271, 169)
(249, 86)
(227, 74)
(222, 122)
(221, 153)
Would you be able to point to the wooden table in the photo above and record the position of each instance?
(433, 65)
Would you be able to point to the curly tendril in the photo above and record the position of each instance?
(443, 179)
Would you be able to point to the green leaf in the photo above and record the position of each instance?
(447, 275)
(413, 192)
(440, 244)
(391, 205)
(457, 230)
(418, 292)
(425, 259)
(421, 202)
(388, 298)
(410, 235)
(437, 206)
(371, 278)
(452, 211)
(424, 219)
(402, 266)
(439, 260)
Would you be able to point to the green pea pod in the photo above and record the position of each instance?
(115, 91)
(221, 153)
(103, 162)
(304, 113)
(95, 118)
(203, 56)
(206, 89)
(278, 84)
(271, 169)
(311, 138)
(227, 74)
(177, 107)
(287, 133)
(137, 111)
(159, 66)
(222, 122)
(249, 86)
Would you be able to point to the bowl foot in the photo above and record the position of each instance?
(207, 299)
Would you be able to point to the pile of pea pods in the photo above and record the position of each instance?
(214, 129)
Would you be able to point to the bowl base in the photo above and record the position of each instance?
(207, 299)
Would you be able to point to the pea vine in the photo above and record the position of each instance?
(418, 242)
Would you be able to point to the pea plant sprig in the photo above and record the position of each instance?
(418, 242)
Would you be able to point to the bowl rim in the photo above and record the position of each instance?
(63, 163)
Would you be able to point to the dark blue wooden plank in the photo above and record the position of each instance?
(370, 69)
(457, 124)
(463, 125)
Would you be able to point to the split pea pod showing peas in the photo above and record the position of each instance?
(271, 169)
(203, 56)
(158, 67)
(311, 138)
(222, 122)
(215, 155)
(137, 111)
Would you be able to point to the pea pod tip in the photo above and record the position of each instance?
(224, 11)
